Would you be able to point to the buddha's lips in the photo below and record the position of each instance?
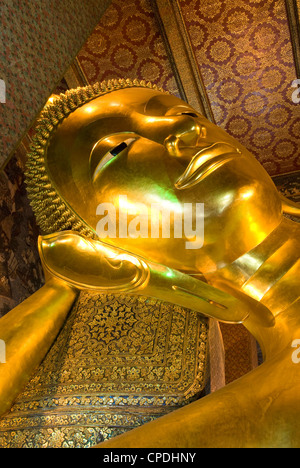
(206, 161)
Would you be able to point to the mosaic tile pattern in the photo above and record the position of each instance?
(146, 359)
(240, 349)
(289, 185)
(20, 269)
(37, 43)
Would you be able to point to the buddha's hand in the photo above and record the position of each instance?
(92, 265)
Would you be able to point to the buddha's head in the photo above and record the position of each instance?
(131, 145)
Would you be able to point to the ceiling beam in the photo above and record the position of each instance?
(181, 55)
(293, 13)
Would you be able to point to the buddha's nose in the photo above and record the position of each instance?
(187, 134)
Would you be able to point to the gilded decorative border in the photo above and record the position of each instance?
(75, 76)
(119, 362)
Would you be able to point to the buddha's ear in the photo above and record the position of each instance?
(289, 207)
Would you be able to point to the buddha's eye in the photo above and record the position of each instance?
(191, 114)
(117, 150)
(112, 154)
(180, 111)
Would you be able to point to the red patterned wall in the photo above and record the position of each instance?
(127, 43)
(245, 56)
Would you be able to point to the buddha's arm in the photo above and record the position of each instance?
(28, 332)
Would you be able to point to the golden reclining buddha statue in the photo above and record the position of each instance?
(112, 350)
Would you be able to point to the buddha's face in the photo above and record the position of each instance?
(151, 148)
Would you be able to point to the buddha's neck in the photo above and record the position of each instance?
(270, 274)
